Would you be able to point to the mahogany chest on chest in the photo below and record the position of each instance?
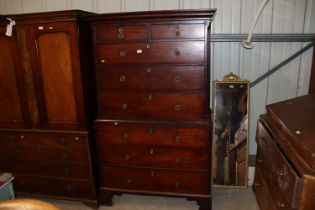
(285, 169)
(153, 123)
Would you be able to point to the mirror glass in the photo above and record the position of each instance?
(230, 132)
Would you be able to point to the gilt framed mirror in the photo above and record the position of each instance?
(230, 132)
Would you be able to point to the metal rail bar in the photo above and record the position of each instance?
(283, 63)
(263, 37)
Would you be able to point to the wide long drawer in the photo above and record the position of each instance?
(17, 138)
(45, 153)
(192, 52)
(53, 187)
(154, 77)
(155, 157)
(187, 135)
(155, 180)
(45, 168)
(278, 170)
(152, 105)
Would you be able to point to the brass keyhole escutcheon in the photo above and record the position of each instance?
(150, 97)
(177, 160)
(177, 139)
(122, 78)
(150, 131)
(177, 52)
(127, 157)
(120, 34)
(122, 53)
(149, 70)
(177, 79)
(177, 185)
(125, 136)
(152, 173)
(124, 106)
(177, 108)
(151, 151)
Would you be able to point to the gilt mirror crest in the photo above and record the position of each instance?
(230, 132)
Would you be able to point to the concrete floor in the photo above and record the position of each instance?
(223, 199)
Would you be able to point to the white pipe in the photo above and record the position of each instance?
(247, 43)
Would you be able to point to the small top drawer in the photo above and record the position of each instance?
(120, 33)
(177, 31)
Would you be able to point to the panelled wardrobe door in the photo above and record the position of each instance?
(56, 68)
(13, 103)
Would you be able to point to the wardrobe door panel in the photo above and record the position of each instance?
(12, 96)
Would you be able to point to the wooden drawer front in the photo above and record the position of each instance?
(157, 105)
(178, 31)
(155, 180)
(280, 170)
(53, 187)
(120, 33)
(139, 77)
(45, 153)
(261, 191)
(154, 157)
(120, 134)
(44, 168)
(157, 52)
(42, 139)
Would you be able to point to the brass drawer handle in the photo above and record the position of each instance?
(22, 137)
(177, 160)
(125, 136)
(151, 151)
(280, 173)
(77, 138)
(177, 185)
(177, 79)
(122, 78)
(177, 52)
(150, 97)
(128, 181)
(122, 53)
(177, 139)
(103, 61)
(280, 204)
(256, 184)
(127, 157)
(177, 108)
(124, 106)
(64, 156)
(150, 131)
(152, 173)
(120, 34)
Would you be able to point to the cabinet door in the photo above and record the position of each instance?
(13, 102)
(56, 65)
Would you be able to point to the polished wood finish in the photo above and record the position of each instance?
(153, 122)
(46, 134)
(312, 79)
(285, 144)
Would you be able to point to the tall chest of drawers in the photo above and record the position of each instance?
(153, 123)
(47, 105)
(285, 169)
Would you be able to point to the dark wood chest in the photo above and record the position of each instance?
(46, 105)
(285, 169)
(153, 124)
